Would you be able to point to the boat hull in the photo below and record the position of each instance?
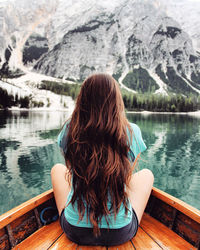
(21, 222)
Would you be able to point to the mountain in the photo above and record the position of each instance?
(186, 13)
(141, 43)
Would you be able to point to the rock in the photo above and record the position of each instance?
(107, 37)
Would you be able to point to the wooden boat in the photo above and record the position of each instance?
(167, 223)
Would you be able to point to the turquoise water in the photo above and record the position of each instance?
(28, 150)
(173, 153)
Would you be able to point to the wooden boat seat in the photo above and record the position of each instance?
(151, 234)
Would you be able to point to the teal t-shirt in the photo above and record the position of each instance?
(137, 146)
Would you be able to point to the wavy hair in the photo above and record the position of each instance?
(97, 150)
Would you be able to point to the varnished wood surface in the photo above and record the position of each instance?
(18, 211)
(43, 238)
(125, 246)
(185, 208)
(151, 235)
(4, 242)
(162, 235)
(91, 248)
(144, 241)
(64, 243)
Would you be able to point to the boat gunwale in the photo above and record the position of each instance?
(29, 205)
(178, 204)
(25, 207)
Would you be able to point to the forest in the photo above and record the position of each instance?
(133, 102)
(9, 100)
(160, 103)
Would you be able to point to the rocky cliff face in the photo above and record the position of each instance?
(186, 13)
(19, 22)
(34, 48)
(115, 38)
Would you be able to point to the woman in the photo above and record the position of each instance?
(99, 199)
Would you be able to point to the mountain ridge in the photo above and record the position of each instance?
(116, 39)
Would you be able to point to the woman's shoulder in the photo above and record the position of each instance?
(133, 125)
(135, 129)
(137, 144)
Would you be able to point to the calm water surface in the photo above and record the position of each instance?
(28, 150)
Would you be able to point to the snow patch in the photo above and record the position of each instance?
(14, 90)
(163, 87)
(26, 85)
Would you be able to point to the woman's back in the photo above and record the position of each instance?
(137, 146)
(99, 146)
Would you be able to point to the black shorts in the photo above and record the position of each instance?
(108, 237)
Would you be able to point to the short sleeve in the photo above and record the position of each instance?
(137, 144)
(62, 137)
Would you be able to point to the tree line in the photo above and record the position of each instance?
(160, 103)
(9, 100)
(61, 89)
(132, 102)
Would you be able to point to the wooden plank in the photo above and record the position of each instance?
(163, 235)
(25, 229)
(2, 232)
(4, 242)
(63, 243)
(187, 228)
(163, 212)
(189, 222)
(126, 246)
(18, 211)
(90, 248)
(143, 241)
(178, 204)
(17, 222)
(43, 238)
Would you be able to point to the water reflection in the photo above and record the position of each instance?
(173, 153)
(28, 150)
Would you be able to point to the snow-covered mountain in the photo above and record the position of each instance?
(72, 39)
(187, 14)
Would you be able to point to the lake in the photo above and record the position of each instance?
(28, 150)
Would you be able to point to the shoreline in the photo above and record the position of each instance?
(42, 109)
(144, 112)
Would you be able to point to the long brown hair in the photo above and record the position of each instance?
(97, 150)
